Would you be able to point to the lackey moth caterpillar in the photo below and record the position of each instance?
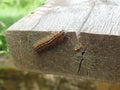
(49, 41)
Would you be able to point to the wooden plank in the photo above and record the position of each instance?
(94, 24)
(101, 57)
(57, 19)
(101, 35)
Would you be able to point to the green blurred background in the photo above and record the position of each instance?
(10, 12)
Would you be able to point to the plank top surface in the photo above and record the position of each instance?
(91, 16)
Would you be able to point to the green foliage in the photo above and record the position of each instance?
(10, 12)
(3, 48)
(20, 3)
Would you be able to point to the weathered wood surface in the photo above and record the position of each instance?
(95, 24)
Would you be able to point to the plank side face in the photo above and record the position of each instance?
(101, 59)
(94, 24)
(52, 60)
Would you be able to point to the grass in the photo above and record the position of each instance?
(10, 12)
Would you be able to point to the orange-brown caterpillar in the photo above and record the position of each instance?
(49, 41)
(78, 48)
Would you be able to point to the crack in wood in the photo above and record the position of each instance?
(82, 59)
(36, 24)
(80, 63)
(87, 17)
